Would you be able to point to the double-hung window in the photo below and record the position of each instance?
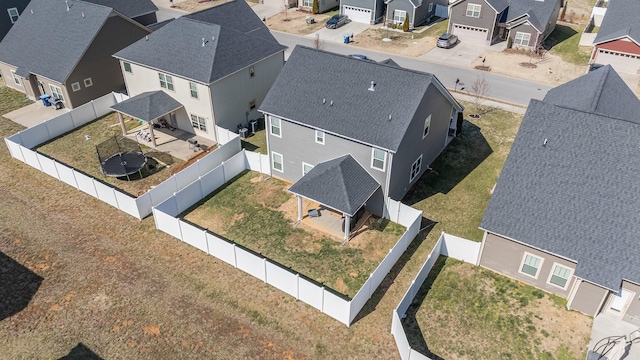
(198, 122)
(415, 168)
(473, 10)
(320, 137)
(277, 162)
(276, 126)
(127, 67)
(166, 81)
(531, 265)
(427, 125)
(13, 15)
(56, 92)
(522, 39)
(378, 159)
(307, 3)
(16, 79)
(306, 168)
(399, 16)
(193, 87)
(560, 276)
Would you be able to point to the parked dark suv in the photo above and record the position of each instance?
(447, 40)
(336, 21)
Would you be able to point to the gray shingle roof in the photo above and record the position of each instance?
(158, 25)
(148, 106)
(539, 12)
(341, 184)
(330, 92)
(389, 62)
(600, 92)
(499, 5)
(176, 48)
(34, 46)
(620, 20)
(129, 8)
(578, 195)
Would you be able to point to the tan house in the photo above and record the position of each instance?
(563, 216)
(75, 65)
(217, 63)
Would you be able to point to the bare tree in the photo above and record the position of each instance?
(316, 43)
(285, 9)
(479, 90)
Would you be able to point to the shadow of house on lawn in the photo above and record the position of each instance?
(410, 324)
(559, 34)
(426, 226)
(81, 352)
(456, 162)
(18, 285)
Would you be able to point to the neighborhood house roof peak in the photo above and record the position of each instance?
(571, 183)
(335, 93)
(621, 19)
(178, 48)
(129, 8)
(53, 58)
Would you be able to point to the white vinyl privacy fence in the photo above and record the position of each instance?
(167, 219)
(447, 245)
(21, 144)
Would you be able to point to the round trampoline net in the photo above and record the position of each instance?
(120, 156)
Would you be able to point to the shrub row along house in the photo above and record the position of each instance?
(618, 40)
(563, 216)
(75, 66)
(523, 23)
(355, 142)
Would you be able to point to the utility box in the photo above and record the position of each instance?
(346, 38)
(244, 133)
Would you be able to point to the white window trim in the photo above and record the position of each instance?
(553, 267)
(473, 10)
(88, 83)
(400, 19)
(427, 128)
(271, 126)
(191, 90)
(75, 86)
(430, 7)
(411, 175)
(124, 67)
(307, 3)
(273, 161)
(166, 82)
(17, 15)
(303, 164)
(384, 160)
(16, 78)
(54, 93)
(322, 133)
(522, 263)
(200, 125)
(515, 39)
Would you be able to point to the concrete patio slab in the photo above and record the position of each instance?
(608, 325)
(34, 114)
(173, 142)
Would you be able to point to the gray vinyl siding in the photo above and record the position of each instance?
(231, 95)
(298, 145)
(588, 298)
(147, 19)
(5, 21)
(98, 63)
(375, 204)
(459, 16)
(505, 256)
(527, 29)
(435, 104)
(404, 5)
(551, 25)
(422, 13)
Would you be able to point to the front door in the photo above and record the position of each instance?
(620, 302)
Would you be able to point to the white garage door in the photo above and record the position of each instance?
(470, 34)
(620, 62)
(357, 14)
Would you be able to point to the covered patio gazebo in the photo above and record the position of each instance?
(148, 106)
(340, 184)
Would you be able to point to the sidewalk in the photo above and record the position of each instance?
(518, 109)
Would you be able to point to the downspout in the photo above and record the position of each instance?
(386, 185)
(375, 14)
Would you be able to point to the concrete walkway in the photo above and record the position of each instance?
(462, 95)
(34, 114)
(608, 325)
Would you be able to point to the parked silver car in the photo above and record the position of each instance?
(447, 40)
(336, 21)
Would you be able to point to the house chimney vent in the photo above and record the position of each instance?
(373, 86)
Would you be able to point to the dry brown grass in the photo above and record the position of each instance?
(295, 22)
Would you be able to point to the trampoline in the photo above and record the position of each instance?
(120, 157)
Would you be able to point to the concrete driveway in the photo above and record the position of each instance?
(461, 55)
(33, 114)
(337, 35)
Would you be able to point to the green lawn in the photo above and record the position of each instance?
(435, 30)
(456, 192)
(564, 41)
(256, 143)
(250, 211)
(465, 311)
(72, 149)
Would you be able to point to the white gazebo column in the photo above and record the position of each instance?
(299, 207)
(124, 129)
(347, 226)
(153, 137)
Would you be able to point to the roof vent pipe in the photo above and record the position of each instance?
(31, 11)
(373, 86)
(324, 101)
(146, 37)
(389, 117)
(203, 42)
(83, 15)
(331, 104)
(67, 2)
(545, 142)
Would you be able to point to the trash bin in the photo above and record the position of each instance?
(45, 99)
(243, 133)
(253, 124)
(55, 102)
(346, 38)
